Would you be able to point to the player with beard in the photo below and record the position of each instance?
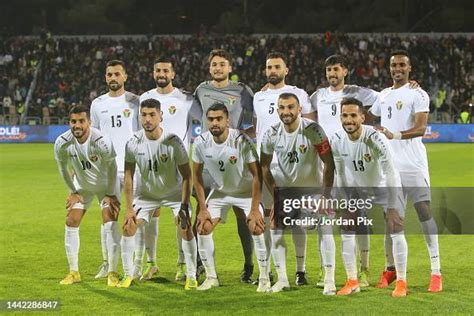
(363, 159)
(178, 109)
(91, 155)
(238, 98)
(232, 162)
(265, 104)
(296, 143)
(116, 115)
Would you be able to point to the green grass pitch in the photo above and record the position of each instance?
(32, 258)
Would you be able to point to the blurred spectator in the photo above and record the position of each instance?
(73, 70)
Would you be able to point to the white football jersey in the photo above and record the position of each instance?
(227, 163)
(89, 161)
(296, 153)
(327, 104)
(364, 161)
(179, 109)
(157, 161)
(116, 117)
(397, 109)
(265, 105)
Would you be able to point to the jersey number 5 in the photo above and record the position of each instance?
(116, 120)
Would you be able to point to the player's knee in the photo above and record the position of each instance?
(394, 227)
(256, 230)
(72, 222)
(205, 229)
(423, 210)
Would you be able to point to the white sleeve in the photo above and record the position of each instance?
(249, 152)
(197, 157)
(305, 102)
(181, 156)
(314, 101)
(95, 115)
(367, 96)
(61, 159)
(375, 109)
(421, 101)
(267, 145)
(381, 147)
(339, 165)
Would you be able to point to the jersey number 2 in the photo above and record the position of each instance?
(221, 166)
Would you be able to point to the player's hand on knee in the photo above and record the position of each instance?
(113, 203)
(184, 219)
(204, 222)
(72, 199)
(255, 222)
(394, 221)
(130, 220)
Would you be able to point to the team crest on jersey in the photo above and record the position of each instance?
(172, 109)
(126, 112)
(367, 157)
(232, 159)
(232, 100)
(164, 157)
(303, 148)
(93, 158)
(399, 105)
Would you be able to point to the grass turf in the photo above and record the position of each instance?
(32, 257)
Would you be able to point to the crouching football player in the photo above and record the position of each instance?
(92, 158)
(363, 160)
(165, 180)
(232, 162)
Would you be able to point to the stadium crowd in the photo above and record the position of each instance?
(72, 70)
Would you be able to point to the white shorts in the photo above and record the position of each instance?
(146, 206)
(416, 185)
(218, 204)
(88, 196)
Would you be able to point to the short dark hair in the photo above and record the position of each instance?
(401, 52)
(115, 62)
(80, 108)
(353, 101)
(151, 104)
(335, 59)
(163, 60)
(221, 53)
(288, 95)
(272, 55)
(218, 106)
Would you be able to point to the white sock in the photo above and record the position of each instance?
(328, 251)
(151, 238)
(268, 240)
(363, 247)
(349, 254)
(72, 243)
(279, 254)
(103, 243)
(299, 241)
(128, 246)
(113, 244)
(261, 252)
(389, 261)
(430, 229)
(320, 238)
(206, 251)
(179, 245)
(190, 256)
(400, 254)
(139, 250)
